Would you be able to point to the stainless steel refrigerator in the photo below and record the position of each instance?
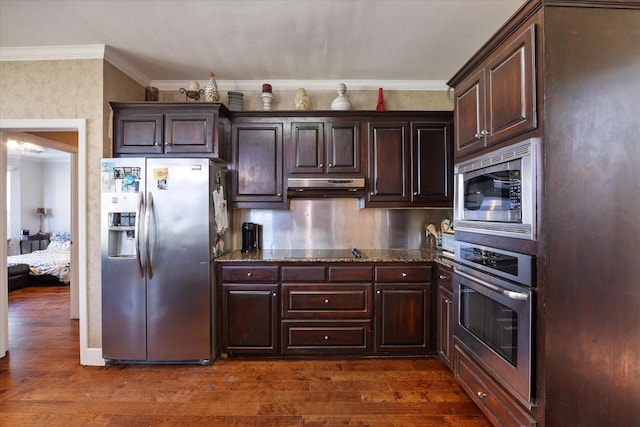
(163, 223)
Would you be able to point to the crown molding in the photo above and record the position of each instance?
(58, 53)
(44, 53)
(114, 58)
(321, 85)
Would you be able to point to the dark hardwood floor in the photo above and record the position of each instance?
(43, 384)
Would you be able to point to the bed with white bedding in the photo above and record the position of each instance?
(48, 265)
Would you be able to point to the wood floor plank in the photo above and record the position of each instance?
(43, 384)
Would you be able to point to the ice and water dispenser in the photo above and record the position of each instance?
(122, 226)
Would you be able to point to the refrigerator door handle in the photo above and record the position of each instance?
(147, 223)
(136, 232)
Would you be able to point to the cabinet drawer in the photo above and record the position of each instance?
(249, 273)
(311, 273)
(445, 277)
(421, 273)
(332, 300)
(491, 399)
(350, 274)
(341, 336)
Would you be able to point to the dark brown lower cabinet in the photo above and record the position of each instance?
(250, 313)
(249, 298)
(300, 308)
(402, 317)
(445, 314)
(487, 394)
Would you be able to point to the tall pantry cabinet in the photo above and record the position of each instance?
(586, 68)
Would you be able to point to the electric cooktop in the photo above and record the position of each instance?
(324, 254)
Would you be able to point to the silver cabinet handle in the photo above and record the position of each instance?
(330, 165)
(478, 135)
(404, 274)
(326, 301)
(321, 165)
(274, 294)
(481, 394)
(249, 274)
(326, 337)
(484, 132)
(443, 277)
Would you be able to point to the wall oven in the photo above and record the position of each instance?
(494, 297)
(496, 193)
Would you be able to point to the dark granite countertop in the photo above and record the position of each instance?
(333, 255)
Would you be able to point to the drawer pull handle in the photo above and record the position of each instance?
(443, 277)
(249, 274)
(274, 294)
(326, 337)
(326, 301)
(404, 274)
(482, 394)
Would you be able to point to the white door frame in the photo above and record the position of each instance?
(78, 304)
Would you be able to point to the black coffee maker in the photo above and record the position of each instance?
(249, 237)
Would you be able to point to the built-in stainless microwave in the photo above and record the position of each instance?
(496, 193)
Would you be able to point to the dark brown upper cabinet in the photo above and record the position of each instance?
(325, 147)
(256, 166)
(411, 162)
(389, 162)
(171, 129)
(498, 99)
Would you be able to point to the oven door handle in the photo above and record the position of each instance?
(519, 296)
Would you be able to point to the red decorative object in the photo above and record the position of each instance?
(266, 88)
(380, 106)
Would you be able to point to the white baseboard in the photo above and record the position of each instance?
(92, 357)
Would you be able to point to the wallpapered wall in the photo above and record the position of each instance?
(81, 89)
(72, 89)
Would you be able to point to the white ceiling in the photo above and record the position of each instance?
(399, 41)
(51, 152)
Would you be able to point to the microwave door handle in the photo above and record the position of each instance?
(519, 296)
(136, 232)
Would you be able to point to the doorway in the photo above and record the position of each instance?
(78, 291)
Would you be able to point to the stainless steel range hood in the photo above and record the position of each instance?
(325, 187)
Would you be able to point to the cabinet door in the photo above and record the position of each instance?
(402, 317)
(307, 148)
(470, 114)
(511, 88)
(445, 325)
(256, 173)
(432, 164)
(189, 133)
(138, 134)
(250, 318)
(343, 147)
(388, 150)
